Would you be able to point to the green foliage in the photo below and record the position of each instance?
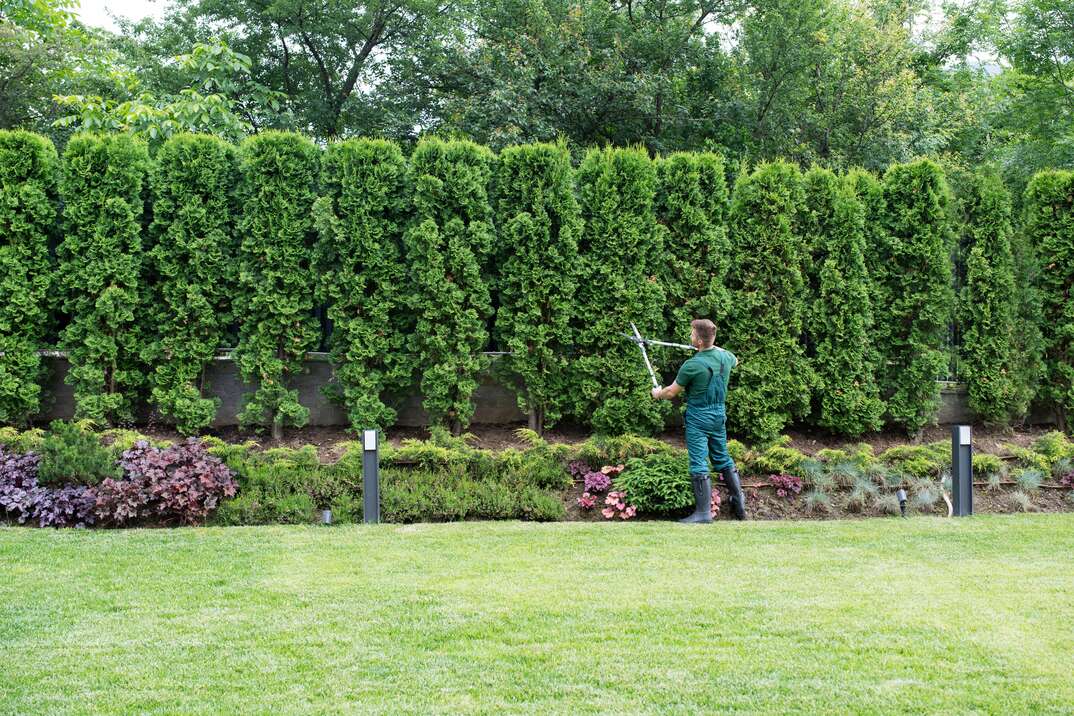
(920, 461)
(601, 450)
(915, 269)
(988, 306)
(276, 283)
(1029, 479)
(771, 384)
(21, 441)
(362, 276)
(1054, 445)
(99, 276)
(839, 324)
(1030, 458)
(194, 256)
(449, 237)
(659, 483)
(818, 501)
(1049, 226)
(691, 205)
(29, 169)
(540, 224)
(985, 465)
(619, 254)
(777, 460)
(73, 455)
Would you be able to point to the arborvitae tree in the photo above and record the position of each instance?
(691, 204)
(100, 263)
(876, 249)
(540, 224)
(275, 301)
(29, 168)
(451, 228)
(989, 302)
(195, 262)
(914, 320)
(618, 259)
(1028, 337)
(1049, 227)
(771, 384)
(362, 277)
(846, 398)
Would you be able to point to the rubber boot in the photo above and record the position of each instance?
(734, 486)
(702, 500)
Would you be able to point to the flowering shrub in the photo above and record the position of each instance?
(597, 482)
(19, 491)
(657, 483)
(68, 506)
(587, 501)
(181, 483)
(617, 506)
(612, 470)
(715, 503)
(786, 485)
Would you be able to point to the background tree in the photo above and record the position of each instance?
(618, 257)
(691, 205)
(1049, 226)
(540, 225)
(99, 276)
(450, 232)
(363, 278)
(771, 385)
(912, 328)
(29, 169)
(195, 263)
(840, 316)
(275, 300)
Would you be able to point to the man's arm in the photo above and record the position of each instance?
(667, 393)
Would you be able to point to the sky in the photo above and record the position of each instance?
(96, 12)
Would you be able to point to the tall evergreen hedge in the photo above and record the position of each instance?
(618, 262)
(846, 397)
(195, 262)
(29, 169)
(450, 230)
(771, 385)
(988, 305)
(275, 301)
(916, 272)
(692, 201)
(876, 249)
(540, 225)
(99, 276)
(1049, 226)
(362, 277)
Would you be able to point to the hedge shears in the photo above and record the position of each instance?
(642, 343)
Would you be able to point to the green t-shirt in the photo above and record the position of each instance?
(693, 376)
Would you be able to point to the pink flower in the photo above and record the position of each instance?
(608, 513)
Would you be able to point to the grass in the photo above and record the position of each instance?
(870, 616)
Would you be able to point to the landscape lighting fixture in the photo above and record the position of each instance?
(901, 495)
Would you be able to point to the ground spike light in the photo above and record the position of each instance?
(901, 496)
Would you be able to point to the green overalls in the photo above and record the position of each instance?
(704, 377)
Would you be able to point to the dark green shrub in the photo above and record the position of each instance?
(29, 169)
(919, 461)
(362, 276)
(659, 483)
(73, 455)
(846, 398)
(988, 306)
(1049, 228)
(619, 255)
(600, 450)
(275, 300)
(450, 233)
(876, 248)
(915, 268)
(194, 256)
(771, 384)
(540, 225)
(99, 276)
(692, 201)
(540, 506)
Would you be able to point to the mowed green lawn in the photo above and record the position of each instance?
(872, 616)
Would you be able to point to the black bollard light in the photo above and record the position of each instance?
(370, 478)
(961, 470)
(901, 496)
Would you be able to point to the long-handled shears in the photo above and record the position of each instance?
(645, 353)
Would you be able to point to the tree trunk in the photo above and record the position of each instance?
(277, 428)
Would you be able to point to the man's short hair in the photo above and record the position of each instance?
(706, 330)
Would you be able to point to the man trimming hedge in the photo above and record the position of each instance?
(704, 379)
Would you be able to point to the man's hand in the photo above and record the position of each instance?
(666, 393)
(656, 392)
